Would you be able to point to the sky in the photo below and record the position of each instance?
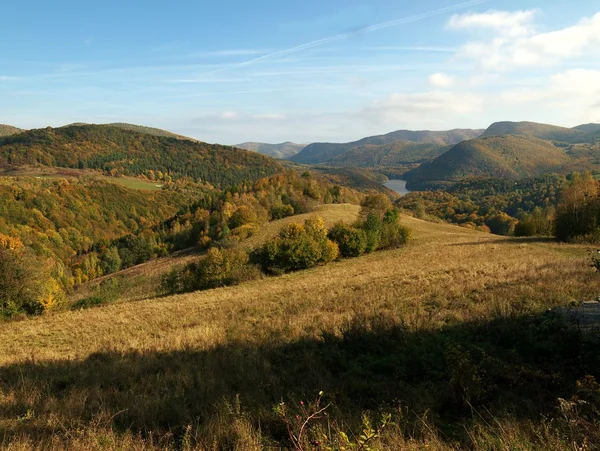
(303, 71)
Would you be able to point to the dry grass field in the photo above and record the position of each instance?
(455, 319)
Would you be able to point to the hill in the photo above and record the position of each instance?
(510, 157)
(135, 128)
(588, 128)
(283, 150)
(150, 131)
(397, 153)
(438, 324)
(7, 130)
(117, 151)
(536, 130)
(323, 152)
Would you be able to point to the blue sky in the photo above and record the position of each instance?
(332, 70)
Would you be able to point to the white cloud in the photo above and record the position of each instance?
(572, 96)
(516, 44)
(509, 24)
(229, 115)
(440, 80)
(425, 109)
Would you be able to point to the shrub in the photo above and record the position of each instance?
(372, 228)
(501, 224)
(377, 204)
(525, 228)
(352, 242)
(281, 211)
(242, 216)
(394, 235)
(220, 267)
(298, 247)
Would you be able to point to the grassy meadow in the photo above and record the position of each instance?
(446, 343)
(73, 174)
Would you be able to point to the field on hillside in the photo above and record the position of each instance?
(449, 335)
(60, 173)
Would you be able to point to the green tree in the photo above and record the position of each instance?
(578, 213)
(298, 247)
(351, 241)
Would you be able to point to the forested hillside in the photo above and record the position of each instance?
(503, 156)
(389, 155)
(122, 152)
(491, 204)
(88, 227)
(323, 152)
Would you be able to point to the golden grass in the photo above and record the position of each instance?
(446, 274)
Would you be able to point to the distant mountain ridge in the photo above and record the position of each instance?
(581, 133)
(513, 150)
(283, 150)
(7, 130)
(322, 152)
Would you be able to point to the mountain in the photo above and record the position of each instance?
(541, 131)
(388, 155)
(322, 152)
(7, 130)
(283, 150)
(588, 128)
(118, 151)
(505, 156)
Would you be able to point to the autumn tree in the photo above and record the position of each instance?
(26, 285)
(578, 211)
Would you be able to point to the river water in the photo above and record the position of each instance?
(397, 185)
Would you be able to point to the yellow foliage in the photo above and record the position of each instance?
(10, 243)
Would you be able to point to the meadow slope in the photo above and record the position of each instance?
(165, 365)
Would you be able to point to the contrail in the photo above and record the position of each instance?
(369, 29)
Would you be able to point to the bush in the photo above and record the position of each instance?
(525, 228)
(281, 211)
(351, 241)
(372, 228)
(298, 247)
(242, 216)
(377, 204)
(219, 268)
(394, 235)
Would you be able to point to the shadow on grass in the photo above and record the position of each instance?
(517, 366)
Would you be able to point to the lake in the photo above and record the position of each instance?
(397, 185)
